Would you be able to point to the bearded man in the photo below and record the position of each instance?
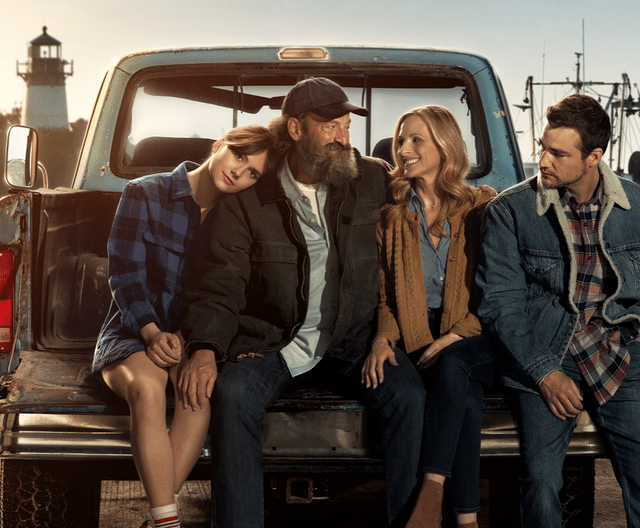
(284, 295)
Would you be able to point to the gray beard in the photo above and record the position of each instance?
(324, 166)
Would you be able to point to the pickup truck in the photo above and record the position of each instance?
(61, 430)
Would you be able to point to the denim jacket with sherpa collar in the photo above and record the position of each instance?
(527, 274)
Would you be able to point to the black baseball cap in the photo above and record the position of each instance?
(319, 96)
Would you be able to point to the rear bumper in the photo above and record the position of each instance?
(315, 434)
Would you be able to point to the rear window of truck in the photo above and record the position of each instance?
(169, 117)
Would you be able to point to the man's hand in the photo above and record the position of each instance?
(562, 395)
(373, 369)
(488, 190)
(197, 378)
(432, 352)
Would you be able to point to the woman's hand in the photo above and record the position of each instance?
(432, 352)
(196, 379)
(163, 348)
(373, 369)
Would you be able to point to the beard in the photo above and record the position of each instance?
(332, 163)
(553, 181)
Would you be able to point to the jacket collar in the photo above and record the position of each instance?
(613, 191)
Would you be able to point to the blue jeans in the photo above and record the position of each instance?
(453, 417)
(544, 440)
(245, 389)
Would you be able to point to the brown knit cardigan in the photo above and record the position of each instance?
(402, 311)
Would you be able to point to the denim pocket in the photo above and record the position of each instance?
(543, 269)
(626, 259)
(634, 261)
(272, 251)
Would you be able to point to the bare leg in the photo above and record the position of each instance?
(142, 384)
(187, 435)
(428, 508)
(427, 513)
(467, 520)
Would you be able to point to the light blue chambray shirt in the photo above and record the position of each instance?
(312, 339)
(434, 260)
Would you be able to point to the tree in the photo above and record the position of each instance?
(58, 149)
(58, 152)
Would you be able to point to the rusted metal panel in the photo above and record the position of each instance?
(16, 233)
(52, 382)
(11, 208)
(315, 433)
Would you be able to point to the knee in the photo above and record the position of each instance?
(234, 397)
(145, 394)
(453, 362)
(407, 399)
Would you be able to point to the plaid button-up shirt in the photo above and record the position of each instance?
(595, 344)
(154, 227)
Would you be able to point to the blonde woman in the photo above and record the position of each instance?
(428, 238)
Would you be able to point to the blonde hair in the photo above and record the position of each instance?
(455, 196)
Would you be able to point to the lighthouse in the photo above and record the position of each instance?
(45, 101)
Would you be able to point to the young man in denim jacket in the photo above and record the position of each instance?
(560, 281)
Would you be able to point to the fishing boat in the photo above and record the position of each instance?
(623, 109)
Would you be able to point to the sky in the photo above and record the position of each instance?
(522, 38)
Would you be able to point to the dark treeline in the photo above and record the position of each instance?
(58, 149)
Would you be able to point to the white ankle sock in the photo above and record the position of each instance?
(165, 516)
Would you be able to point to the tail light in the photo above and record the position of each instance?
(7, 274)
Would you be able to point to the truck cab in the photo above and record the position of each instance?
(61, 430)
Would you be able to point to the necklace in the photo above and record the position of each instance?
(426, 204)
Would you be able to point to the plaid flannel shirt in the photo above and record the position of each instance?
(595, 345)
(153, 230)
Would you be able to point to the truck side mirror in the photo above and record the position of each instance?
(21, 157)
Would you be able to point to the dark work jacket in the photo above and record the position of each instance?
(249, 290)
